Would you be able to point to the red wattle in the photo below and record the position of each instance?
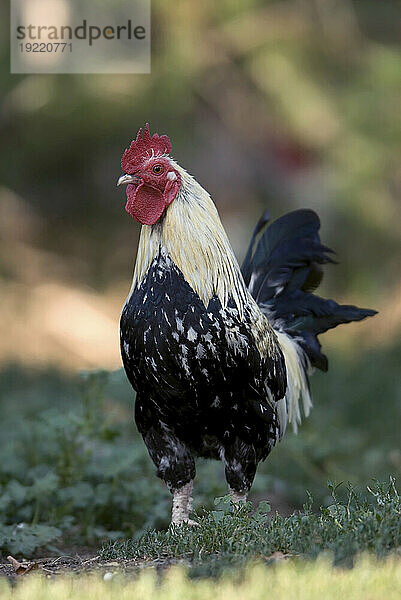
(144, 203)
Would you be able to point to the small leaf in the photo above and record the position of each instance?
(264, 507)
(22, 568)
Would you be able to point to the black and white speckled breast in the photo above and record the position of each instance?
(192, 363)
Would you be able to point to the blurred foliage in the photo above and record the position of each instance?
(353, 431)
(73, 468)
(279, 103)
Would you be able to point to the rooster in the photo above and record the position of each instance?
(219, 355)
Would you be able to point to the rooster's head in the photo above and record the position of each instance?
(152, 180)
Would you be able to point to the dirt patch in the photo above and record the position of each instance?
(14, 569)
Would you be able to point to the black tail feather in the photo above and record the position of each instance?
(247, 264)
(282, 270)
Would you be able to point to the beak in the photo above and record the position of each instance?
(128, 179)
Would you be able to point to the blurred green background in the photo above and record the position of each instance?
(278, 104)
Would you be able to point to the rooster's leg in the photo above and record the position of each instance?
(182, 505)
(173, 459)
(238, 496)
(240, 464)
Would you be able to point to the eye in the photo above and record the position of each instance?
(158, 169)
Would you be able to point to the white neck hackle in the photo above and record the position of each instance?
(192, 235)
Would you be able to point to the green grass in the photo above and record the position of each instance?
(231, 535)
(288, 580)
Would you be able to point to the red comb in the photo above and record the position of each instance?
(144, 147)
